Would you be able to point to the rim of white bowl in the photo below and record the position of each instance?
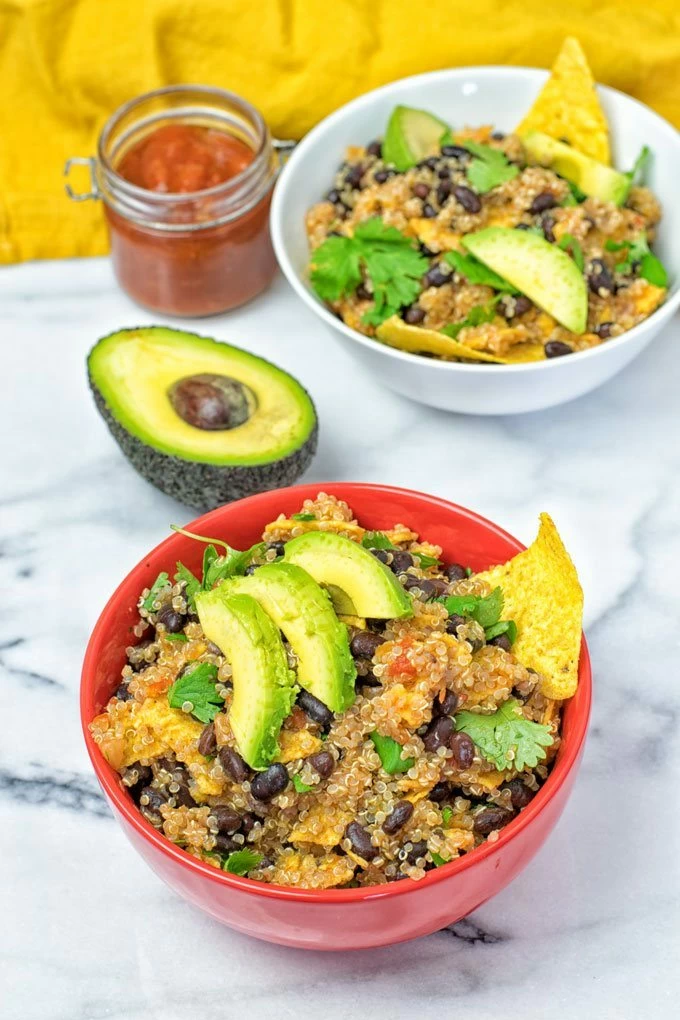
(402, 84)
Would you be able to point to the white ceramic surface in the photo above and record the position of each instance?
(478, 95)
(589, 931)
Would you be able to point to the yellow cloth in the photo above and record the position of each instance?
(65, 65)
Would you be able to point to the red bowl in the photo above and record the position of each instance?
(343, 918)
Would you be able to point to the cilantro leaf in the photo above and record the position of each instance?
(198, 688)
(576, 193)
(154, 591)
(389, 258)
(489, 168)
(637, 172)
(447, 815)
(569, 244)
(506, 738)
(485, 610)
(438, 859)
(376, 540)
(427, 561)
(216, 567)
(475, 317)
(652, 268)
(300, 786)
(175, 637)
(508, 627)
(389, 752)
(475, 271)
(192, 584)
(240, 862)
(302, 517)
(447, 138)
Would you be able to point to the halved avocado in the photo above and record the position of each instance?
(410, 136)
(358, 583)
(264, 686)
(203, 421)
(593, 178)
(302, 610)
(541, 270)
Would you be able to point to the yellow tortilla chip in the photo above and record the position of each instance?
(543, 595)
(415, 340)
(567, 107)
(295, 744)
(321, 826)
(435, 236)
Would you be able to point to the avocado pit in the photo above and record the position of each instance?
(212, 402)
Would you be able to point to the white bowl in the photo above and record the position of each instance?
(476, 95)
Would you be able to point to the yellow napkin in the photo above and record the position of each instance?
(65, 65)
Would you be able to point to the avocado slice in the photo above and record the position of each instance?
(358, 583)
(203, 421)
(593, 178)
(411, 135)
(302, 610)
(541, 270)
(264, 686)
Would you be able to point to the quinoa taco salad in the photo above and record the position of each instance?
(472, 244)
(339, 707)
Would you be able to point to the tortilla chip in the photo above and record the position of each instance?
(414, 339)
(543, 596)
(567, 107)
(321, 826)
(294, 744)
(435, 235)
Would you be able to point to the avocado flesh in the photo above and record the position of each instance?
(410, 136)
(368, 586)
(302, 610)
(593, 178)
(133, 375)
(541, 270)
(264, 686)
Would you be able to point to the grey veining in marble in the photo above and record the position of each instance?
(590, 929)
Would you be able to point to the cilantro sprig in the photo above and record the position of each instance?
(505, 737)
(485, 609)
(302, 517)
(489, 168)
(240, 862)
(447, 815)
(376, 540)
(197, 688)
(475, 317)
(216, 567)
(507, 627)
(475, 271)
(154, 591)
(389, 752)
(635, 252)
(389, 258)
(572, 247)
(300, 786)
(637, 172)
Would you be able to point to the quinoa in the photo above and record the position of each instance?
(327, 827)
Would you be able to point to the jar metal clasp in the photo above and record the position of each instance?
(82, 196)
(283, 148)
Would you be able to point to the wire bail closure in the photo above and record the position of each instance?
(82, 196)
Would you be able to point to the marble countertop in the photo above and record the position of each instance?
(592, 926)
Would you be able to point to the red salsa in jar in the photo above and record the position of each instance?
(187, 200)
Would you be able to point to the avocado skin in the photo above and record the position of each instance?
(205, 486)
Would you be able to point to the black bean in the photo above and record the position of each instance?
(123, 693)
(225, 844)
(384, 175)
(360, 839)
(414, 315)
(333, 196)
(498, 136)
(322, 762)
(438, 733)
(424, 250)
(398, 817)
(363, 293)
(455, 571)
(150, 803)
(366, 677)
(446, 705)
(213, 648)
(443, 191)
(546, 200)
(489, 819)
(134, 775)
(401, 561)
(248, 822)
(428, 588)
(438, 586)
(364, 644)
(269, 783)
(227, 819)
(374, 149)
(279, 547)
(469, 199)
(444, 173)
(381, 554)
(463, 750)
(429, 211)
(600, 278)
(547, 224)
(430, 163)
(456, 151)
(418, 850)
(411, 581)
(207, 742)
(315, 709)
(170, 618)
(454, 622)
(440, 792)
(520, 794)
(233, 764)
(522, 226)
(604, 330)
(421, 190)
(556, 349)
(354, 175)
(502, 641)
(252, 567)
(437, 276)
(522, 305)
(183, 796)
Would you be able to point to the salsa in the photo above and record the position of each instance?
(181, 158)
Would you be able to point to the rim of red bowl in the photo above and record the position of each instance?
(109, 780)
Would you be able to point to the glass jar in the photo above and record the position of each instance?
(189, 253)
